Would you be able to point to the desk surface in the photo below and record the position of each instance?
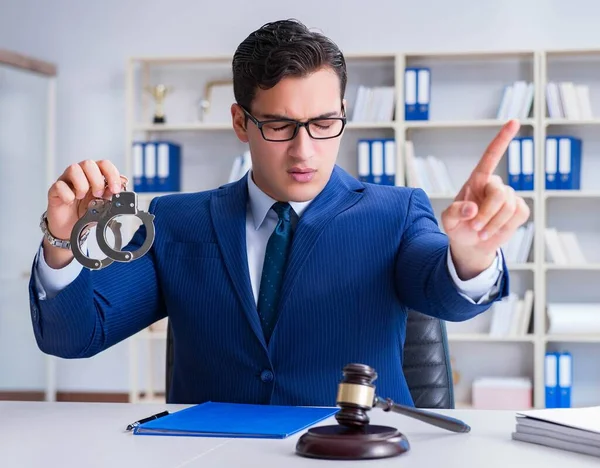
(35, 434)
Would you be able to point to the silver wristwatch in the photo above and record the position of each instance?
(53, 241)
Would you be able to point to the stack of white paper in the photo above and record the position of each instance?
(571, 429)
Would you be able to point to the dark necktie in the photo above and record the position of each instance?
(274, 268)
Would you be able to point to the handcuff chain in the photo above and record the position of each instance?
(104, 213)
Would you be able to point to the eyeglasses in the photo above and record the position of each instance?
(286, 129)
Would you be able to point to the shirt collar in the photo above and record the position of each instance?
(261, 203)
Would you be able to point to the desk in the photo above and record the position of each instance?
(66, 435)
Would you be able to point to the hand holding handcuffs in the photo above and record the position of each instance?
(103, 214)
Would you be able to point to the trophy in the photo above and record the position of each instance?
(159, 93)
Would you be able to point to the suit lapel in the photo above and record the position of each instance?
(228, 213)
(340, 193)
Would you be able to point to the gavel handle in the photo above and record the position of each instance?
(439, 420)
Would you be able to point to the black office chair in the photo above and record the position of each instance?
(426, 362)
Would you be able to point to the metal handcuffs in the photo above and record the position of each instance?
(103, 213)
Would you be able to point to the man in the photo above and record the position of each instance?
(273, 283)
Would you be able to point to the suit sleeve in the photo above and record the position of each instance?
(423, 281)
(99, 308)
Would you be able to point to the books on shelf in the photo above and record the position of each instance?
(377, 160)
(558, 379)
(374, 104)
(511, 315)
(562, 248)
(517, 101)
(428, 173)
(567, 100)
(573, 429)
(520, 163)
(569, 318)
(417, 92)
(241, 165)
(563, 162)
(518, 247)
(156, 166)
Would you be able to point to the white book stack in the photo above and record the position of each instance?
(241, 165)
(517, 101)
(567, 318)
(562, 248)
(374, 104)
(517, 249)
(511, 315)
(567, 100)
(429, 173)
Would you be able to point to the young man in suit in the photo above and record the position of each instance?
(273, 283)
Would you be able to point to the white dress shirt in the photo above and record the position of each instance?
(260, 224)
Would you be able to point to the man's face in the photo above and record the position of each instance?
(295, 170)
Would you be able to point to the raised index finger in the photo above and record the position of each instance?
(496, 149)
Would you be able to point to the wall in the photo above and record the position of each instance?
(90, 42)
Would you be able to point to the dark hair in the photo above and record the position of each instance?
(280, 49)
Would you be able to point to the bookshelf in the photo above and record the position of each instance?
(570, 210)
(466, 92)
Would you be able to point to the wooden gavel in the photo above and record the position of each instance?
(354, 438)
(356, 395)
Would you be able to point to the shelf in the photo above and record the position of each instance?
(573, 51)
(473, 55)
(581, 122)
(182, 60)
(226, 59)
(204, 127)
(370, 125)
(584, 266)
(572, 194)
(183, 127)
(425, 124)
(572, 338)
(484, 337)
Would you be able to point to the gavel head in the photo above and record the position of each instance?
(356, 394)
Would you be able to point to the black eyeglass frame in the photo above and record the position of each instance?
(259, 124)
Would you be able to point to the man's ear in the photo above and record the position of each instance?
(238, 119)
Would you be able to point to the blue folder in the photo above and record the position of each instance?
(212, 419)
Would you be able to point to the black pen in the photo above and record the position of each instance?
(145, 420)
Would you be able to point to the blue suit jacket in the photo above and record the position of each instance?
(362, 254)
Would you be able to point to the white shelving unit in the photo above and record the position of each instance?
(465, 95)
(579, 211)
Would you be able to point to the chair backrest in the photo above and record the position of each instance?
(426, 362)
